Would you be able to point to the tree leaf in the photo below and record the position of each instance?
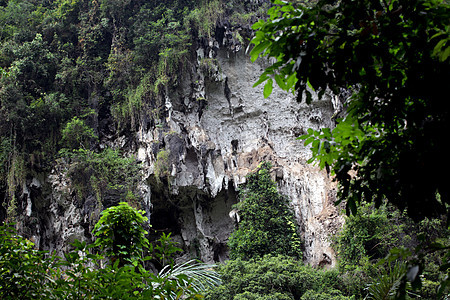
(445, 54)
(268, 88)
(261, 79)
(280, 81)
(309, 141)
(255, 53)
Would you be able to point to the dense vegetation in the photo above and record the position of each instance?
(117, 273)
(389, 61)
(265, 250)
(75, 74)
(372, 248)
(379, 245)
(266, 224)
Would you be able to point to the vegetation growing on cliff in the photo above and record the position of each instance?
(392, 58)
(101, 65)
(30, 274)
(266, 222)
(265, 250)
(75, 74)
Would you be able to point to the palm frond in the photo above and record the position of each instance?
(199, 275)
(186, 280)
(386, 285)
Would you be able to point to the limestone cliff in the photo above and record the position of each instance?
(215, 129)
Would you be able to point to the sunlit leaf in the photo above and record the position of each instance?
(268, 88)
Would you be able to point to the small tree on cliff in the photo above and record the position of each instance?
(120, 233)
(267, 225)
(392, 57)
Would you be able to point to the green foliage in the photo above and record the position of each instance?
(15, 176)
(30, 274)
(23, 272)
(30, 115)
(162, 165)
(266, 225)
(164, 250)
(373, 247)
(103, 173)
(127, 110)
(388, 55)
(270, 277)
(120, 233)
(192, 278)
(426, 267)
(204, 18)
(13, 18)
(387, 284)
(161, 42)
(76, 134)
(329, 295)
(369, 236)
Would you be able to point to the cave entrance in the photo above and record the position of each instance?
(198, 222)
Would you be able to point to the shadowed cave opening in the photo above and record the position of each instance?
(199, 222)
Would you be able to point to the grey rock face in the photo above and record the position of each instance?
(220, 129)
(216, 128)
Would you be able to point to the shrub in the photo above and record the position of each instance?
(162, 165)
(330, 295)
(77, 134)
(120, 233)
(267, 225)
(163, 251)
(369, 235)
(373, 239)
(23, 271)
(30, 274)
(103, 173)
(270, 277)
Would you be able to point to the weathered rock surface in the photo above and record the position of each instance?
(216, 128)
